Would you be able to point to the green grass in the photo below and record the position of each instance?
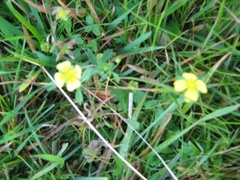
(146, 46)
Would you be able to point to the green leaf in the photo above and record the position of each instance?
(219, 113)
(68, 26)
(89, 20)
(44, 58)
(92, 58)
(79, 96)
(23, 20)
(142, 50)
(116, 77)
(50, 158)
(9, 116)
(133, 123)
(88, 29)
(175, 6)
(6, 72)
(44, 171)
(172, 27)
(96, 30)
(91, 178)
(127, 140)
(44, 62)
(169, 110)
(107, 55)
(196, 15)
(31, 77)
(136, 42)
(9, 32)
(87, 74)
(64, 147)
(93, 45)
(88, 154)
(78, 39)
(121, 97)
(114, 23)
(213, 115)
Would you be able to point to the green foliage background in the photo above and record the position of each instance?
(146, 45)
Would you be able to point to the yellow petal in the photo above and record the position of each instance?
(78, 70)
(64, 66)
(189, 76)
(191, 96)
(180, 85)
(58, 79)
(201, 86)
(73, 85)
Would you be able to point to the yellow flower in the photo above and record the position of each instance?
(192, 85)
(61, 13)
(69, 75)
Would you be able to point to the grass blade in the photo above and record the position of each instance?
(30, 27)
(213, 115)
(136, 42)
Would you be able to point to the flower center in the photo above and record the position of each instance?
(62, 14)
(71, 75)
(191, 85)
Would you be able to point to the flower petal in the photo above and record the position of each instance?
(59, 79)
(78, 70)
(189, 76)
(180, 85)
(73, 85)
(63, 66)
(201, 86)
(191, 96)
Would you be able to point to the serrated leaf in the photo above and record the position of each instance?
(68, 26)
(87, 74)
(89, 20)
(93, 45)
(96, 30)
(116, 77)
(88, 29)
(79, 40)
(133, 123)
(79, 96)
(107, 55)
